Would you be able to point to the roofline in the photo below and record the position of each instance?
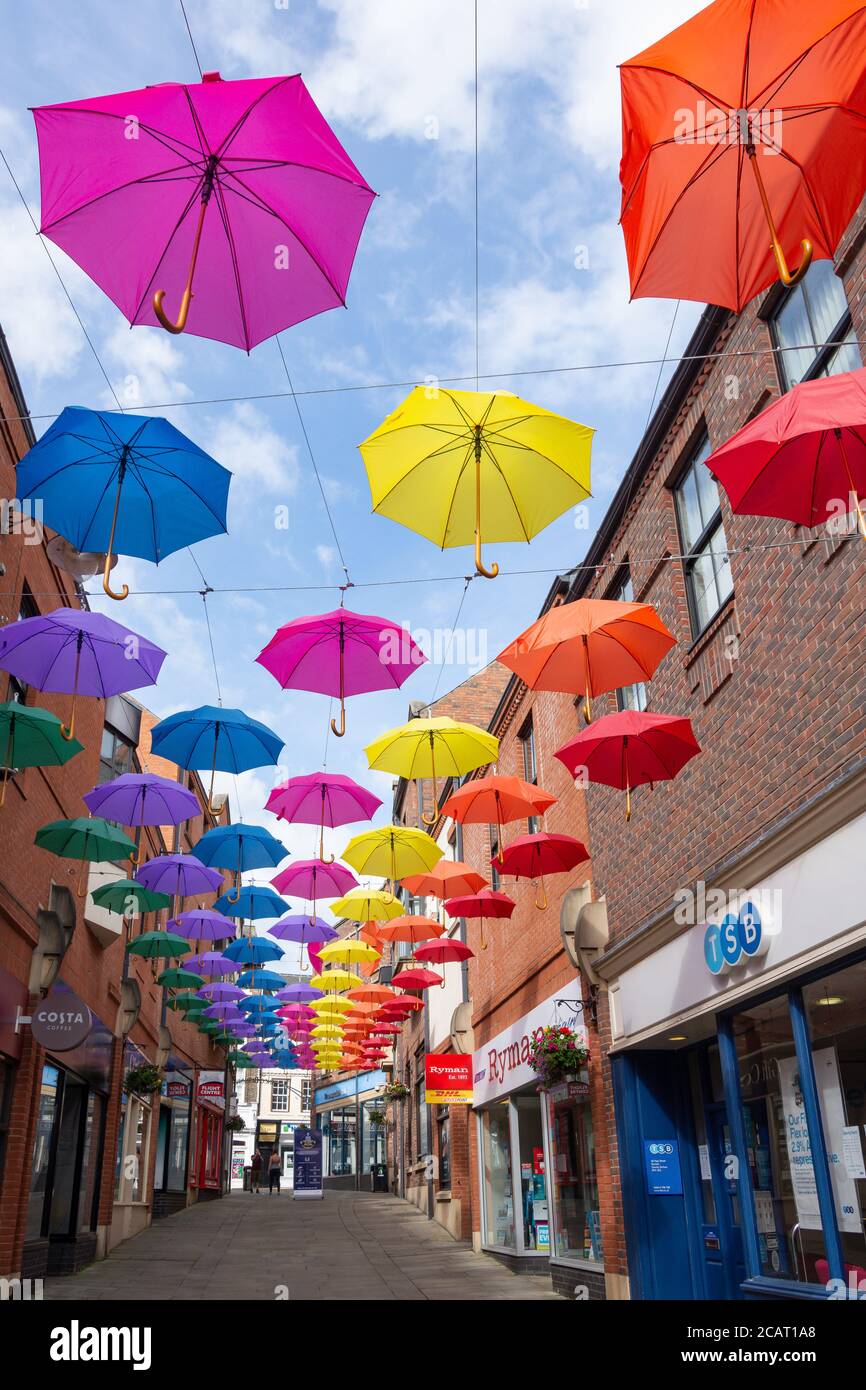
(16, 388)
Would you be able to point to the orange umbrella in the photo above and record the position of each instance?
(775, 86)
(590, 646)
(446, 878)
(371, 994)
(410, 929)
(494, 801)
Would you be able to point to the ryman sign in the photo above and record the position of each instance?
(502, 1064)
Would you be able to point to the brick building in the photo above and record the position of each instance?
(82, 1166)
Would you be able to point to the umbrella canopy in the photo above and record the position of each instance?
(340, 654)
(372, 994)
(75, 652)
(393, 851)
(128, 898)
(267, 980)
(431, 748)
(337, 980)
(302, 929)
(401, 1007)
(449, 876)
(31, 737)
(221, 992)
(158, 943)
(179, 875)
(779, 88)
(439, 952)
(328, 1005)
(533, 856)
(410, 928)
(186, 1003)
(225, 186)
(314, 879)
(203, 924)
(228, 1012)
(128, 483)
(253, 950)
(417, 979)
(181, 978)
(351, 952)
(90, 839)
(497, 800)
(802, 456)
(142, 798)
(322, 798)
(589, 647)
(628, 749)
(224, 740)
(212, 964)
(367, 905)
(298, 994)
(460, 467)
(489, 903)
(253, 901)
(240, 847)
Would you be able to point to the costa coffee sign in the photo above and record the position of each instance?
(502, 1065)
(61, 1022)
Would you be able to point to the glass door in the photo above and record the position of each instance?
(528, 1145)
(497, 1185)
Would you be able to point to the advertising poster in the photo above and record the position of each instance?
(448, 1078)
(308, 1163)
(800, 1148)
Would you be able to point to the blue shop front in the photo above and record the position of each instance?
(739, 1066)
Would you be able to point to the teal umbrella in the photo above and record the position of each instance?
(88, 838)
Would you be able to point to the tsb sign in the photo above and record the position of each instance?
(737, 939)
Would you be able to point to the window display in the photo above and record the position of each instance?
(573, 1182)
(498, 1189)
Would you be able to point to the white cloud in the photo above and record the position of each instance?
(244, 441)
(144, 365)
(43, 333)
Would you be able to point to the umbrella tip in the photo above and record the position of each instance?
(211, 77)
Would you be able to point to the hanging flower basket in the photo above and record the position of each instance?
(556, 1053)
(143, 1080)
(235, 1123)
(395, 1090)
(377, 1118)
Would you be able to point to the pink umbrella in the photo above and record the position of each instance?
(339, 654)
(322, 798)
(239, 186)
(313, 879)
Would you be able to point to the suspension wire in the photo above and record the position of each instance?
(477, 369)
(467, 580)
(191, 39)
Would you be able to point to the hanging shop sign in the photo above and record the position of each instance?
(211, 1088)
(448, 1078)
(737, 939)
(662, 1167)
(502, 1065)
(61, 1022)
(307, 1164)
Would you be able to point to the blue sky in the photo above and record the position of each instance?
(396, 82)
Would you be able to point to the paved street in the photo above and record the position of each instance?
(348, 1246)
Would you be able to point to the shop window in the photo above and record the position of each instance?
(530, 765)
(49, 1093)
(836, 1010)
(420, 1109)
(573, 1181)
(813, 313)
(533, 1176)
(498, 1195)
(132, 1151)
(628, 696)
(708, 568)
(7, 1073)
(443, 1126)
(91, 1163)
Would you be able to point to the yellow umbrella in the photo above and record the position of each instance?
(336, 980)
(368, 905)
(462, 466)
(330, 1005)
(326, 1030)
(392, 851)
(352, 952)
(430, 747)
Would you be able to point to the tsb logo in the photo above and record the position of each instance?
(738, 938)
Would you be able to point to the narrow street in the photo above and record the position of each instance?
(347, 1247)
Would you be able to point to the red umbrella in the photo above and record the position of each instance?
(533, 856)
(448, 876)
(439, 952)
(488, 903)
(803, 459)
(401, 1007)
(417, 979)
(627, 749)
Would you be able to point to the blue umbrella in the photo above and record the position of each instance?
(240, 847)
(262, 979)
(253, 950)
(224, 740)
(256, 1004)
(131, 483)
(252, 901)
(285, 1058)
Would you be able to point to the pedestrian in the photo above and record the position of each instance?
(274, 1168)
(256, 1170)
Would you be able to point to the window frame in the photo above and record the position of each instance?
(824, 355)
(700, 547)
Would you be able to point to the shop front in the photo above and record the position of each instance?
(352, 1147)
(740, 1087)
(207, 1175)
(172, 1140)
(536, 1155)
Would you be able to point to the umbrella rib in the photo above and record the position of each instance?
(109, 193)
(257, 201)
(224, 218)
(714, 155)
(469, 453)
(808, 187)
(794, 63)
(145, 295)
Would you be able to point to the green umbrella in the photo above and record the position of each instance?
(88, 838)
(210, 1025)
(159, 943)
(180, 978)
(240, 1060)
(119, 897)
(187, 1003)
(31, 737)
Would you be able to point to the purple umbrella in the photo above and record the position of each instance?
(203, 924)
(322, 798)
(298, 994)
(74, 652)
(304, 930)
(313, 879)
(211, 963)
(223, 992)
(227, 1012)
(179, 875)
(142, 798)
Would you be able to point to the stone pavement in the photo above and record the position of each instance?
(348, 1246)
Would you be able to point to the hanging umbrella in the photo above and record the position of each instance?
(393, 851)
(129, 898)
(75, 652)
(313, 879)
(440, 952)
(337, 980)
(179, 875)
(254, 902)
(488, 903)
(628, 749)
(589, 647)
(401, 1007)
(240, 847)
(497, 801)
(240, 189)
(298, 994)
(224, 740)
(31, 737)
(464, 466)
(203, 924)
(255, 950)
(329, 1005)
(92, 840)
(267, 980)
(349, 952)
(157, 944)
(448, 877)
(777, 87)
(417, 979)
(341, 654)
(220, 992)
(128, 483)
(372, 994)
(212, 964)
(322, 798)
(367, 905)
(410, 929)
(304, 930)
(142, 798)
(180, 978)
(803, 459)
(188, 1004)
(534, 856)
(431, 748)
(228, 1012)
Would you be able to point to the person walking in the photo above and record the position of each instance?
(256, 1171)
(275, 1164)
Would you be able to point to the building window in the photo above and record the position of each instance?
(628, 696)
(279, 1095)
(28, 608)
(495, 880)
(814, 312)
(574, 1181)
(530, 765)
(306, 1094)
(115, 754)
(702, 535)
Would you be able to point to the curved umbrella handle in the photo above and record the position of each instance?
(168, 325)
(233, 896)
(543, 903)
(81, 885)
(480, 567)
(124, 592)
(339, 732)
(787, 277)
(325, 858)
(135, 857)
(67, 731)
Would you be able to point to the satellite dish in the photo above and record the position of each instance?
(79, 563)
(462, 1036)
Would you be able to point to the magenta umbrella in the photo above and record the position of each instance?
(313, 879)
(340, 654)
(239, 188)
(322, 798)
